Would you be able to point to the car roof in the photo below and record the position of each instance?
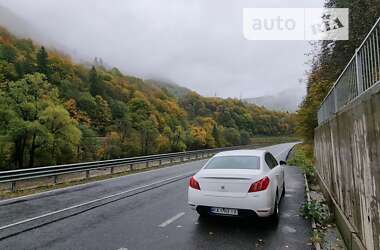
(243, 152)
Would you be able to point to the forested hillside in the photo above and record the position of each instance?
(53, 111)
(331, 59)
(172, 88)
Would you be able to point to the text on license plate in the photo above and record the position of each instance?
(227, 211)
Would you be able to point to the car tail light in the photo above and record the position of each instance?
(259, 185)
(194, 184)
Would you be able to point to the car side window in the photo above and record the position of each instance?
(274, 160)
(269, 161)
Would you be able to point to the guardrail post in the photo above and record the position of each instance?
(147, 164)
(55, 179)
(111, 170)
(159, 162)
(87, 174)
(13, 186)
(131, 167)
(171, 160)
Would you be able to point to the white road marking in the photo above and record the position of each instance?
(172, 219)
(93, 201)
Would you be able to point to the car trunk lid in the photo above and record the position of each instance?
(227, 182)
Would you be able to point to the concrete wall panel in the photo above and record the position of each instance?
(347, 152)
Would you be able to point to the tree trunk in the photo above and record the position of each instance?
(32, 151)
(17, 153)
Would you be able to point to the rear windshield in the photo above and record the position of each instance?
(234, 162)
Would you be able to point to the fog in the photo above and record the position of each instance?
(198, 44)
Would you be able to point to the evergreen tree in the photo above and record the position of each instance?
(42, 61)
(93, 78)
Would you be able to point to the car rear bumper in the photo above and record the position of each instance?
(241, 212)
(260, 203)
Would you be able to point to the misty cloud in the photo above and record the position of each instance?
(198, 44)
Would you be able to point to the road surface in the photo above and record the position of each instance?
(146, 210)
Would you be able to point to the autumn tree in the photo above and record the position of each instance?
(330, 59)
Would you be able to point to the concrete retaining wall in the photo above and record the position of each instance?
(347, 152)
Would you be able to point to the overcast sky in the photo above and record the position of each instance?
(196, 43)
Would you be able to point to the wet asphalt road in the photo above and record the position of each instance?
(155, 218)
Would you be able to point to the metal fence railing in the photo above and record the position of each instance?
(361, 73)
(13, 176)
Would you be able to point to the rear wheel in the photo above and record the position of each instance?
(275, 216)
(283, 190)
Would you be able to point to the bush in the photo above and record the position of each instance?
(315, 210)
(302, 157)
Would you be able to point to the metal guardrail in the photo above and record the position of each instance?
(54, 171)
(361, 73)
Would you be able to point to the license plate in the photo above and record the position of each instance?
(224, 211)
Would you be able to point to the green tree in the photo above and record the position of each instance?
(232, 136)
(7, 53)
(95, 82)
(102, 114)
(63, 130)
(148, 136)
(43, 61)
(89, 144)
(217, 136)
(245, 137)
(35, 120)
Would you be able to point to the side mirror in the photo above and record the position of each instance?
(282, 162)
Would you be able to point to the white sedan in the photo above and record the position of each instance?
(238, 183)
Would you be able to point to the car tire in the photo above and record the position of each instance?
(283, 190)
(203, 213)
(276, 214)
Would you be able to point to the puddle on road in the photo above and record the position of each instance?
(285, 215)
(287, 229)
(290, 190)
(288, 215)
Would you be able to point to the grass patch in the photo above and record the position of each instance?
(273, 139)
(317, 237)
(302, 157)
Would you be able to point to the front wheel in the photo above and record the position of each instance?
(203, 213)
